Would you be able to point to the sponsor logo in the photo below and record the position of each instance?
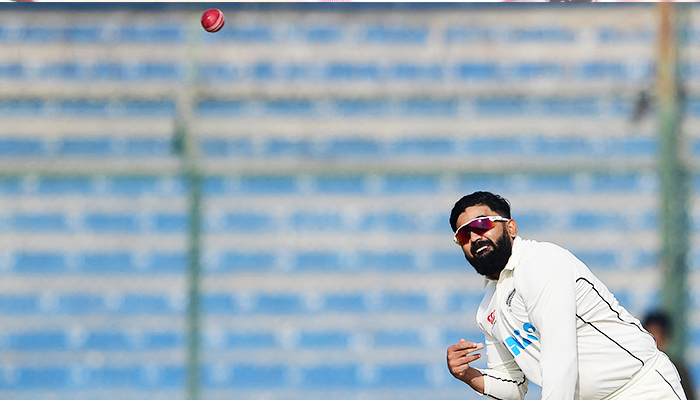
(516, 342)
(492, 317)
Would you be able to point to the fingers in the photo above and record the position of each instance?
(459, 356)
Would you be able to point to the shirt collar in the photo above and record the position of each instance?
(516, 252)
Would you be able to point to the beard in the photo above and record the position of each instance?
(493, 261)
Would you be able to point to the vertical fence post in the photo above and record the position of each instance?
(675, 227)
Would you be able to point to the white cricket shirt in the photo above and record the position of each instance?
(549, 320)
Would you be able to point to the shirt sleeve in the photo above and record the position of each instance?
(503, 379)
(547, 283)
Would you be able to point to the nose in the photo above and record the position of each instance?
(474, 236)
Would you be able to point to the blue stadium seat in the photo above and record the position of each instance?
(389, 221)
(269, 185)
(241, 147)
(262, 71)
(349, 71)
(340, 184)
(542, 35)
(10, 186)
(148, 108)
(429, 107)
(247, 261)
(251, 340)
(604, 70)
(389, 261)
(353, 147)
(282, 147)
(60, 185)
(495, 146)
(163, 340)
(172, 376)
(39, 34)
(137, 304)
(478, 71)
(300, 107)
(112, 223)
(381, 34)
(363, 107)
(345, 303)
(468, 34)
(538, 70)
(107, 262)
(79, 304)
(531, 222)
(38, 341)
(319, 261)
(159, 71)
(44, 378)
(633, 147)
(557, 146)
(170, 34)
(410, 71)
(331, 376)
(107, 341)
(23, 304)
(38, 222)
(116, 377)
(171, 223)
(24, 108)
(581, 106)
(425, 184)
(402, 375)
(322, 35)
(62, 71)
(161, 262)
(317, 221)
(398, 338)
(83, 108)
(497, 183)
(39, 263)
(424, 146)
(219, 72)
(584, 221)
(615, 182)
(449, 260)
(109, 71)
(247, 222)
(555, 182)
(598, 259)
(258, 376)
(225, 108)
(219, 304)
(404, 302)
(278, 304)
(132, 185)
(11, 71)
(18, 147)
(85, 147)
(82, 34)
(463, 301)
(245, 34)
(326, 339)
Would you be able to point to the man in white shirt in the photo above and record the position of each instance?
(547, 319)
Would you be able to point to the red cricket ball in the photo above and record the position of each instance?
(212, 20)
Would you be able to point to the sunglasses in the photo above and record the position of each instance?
(478, 225)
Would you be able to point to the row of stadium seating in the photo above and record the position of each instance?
(335, 147)
(249, 32)
(262, 71)
(125, 262)
(603, 107)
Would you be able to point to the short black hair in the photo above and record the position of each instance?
(495, 202)
(660, 318)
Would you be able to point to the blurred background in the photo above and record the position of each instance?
(281, 189)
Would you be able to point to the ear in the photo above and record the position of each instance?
(512, 228)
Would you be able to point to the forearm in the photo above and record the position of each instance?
(473, 378)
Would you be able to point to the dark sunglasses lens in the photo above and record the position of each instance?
(479, 226)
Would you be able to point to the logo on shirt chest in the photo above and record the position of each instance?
(516, 342)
